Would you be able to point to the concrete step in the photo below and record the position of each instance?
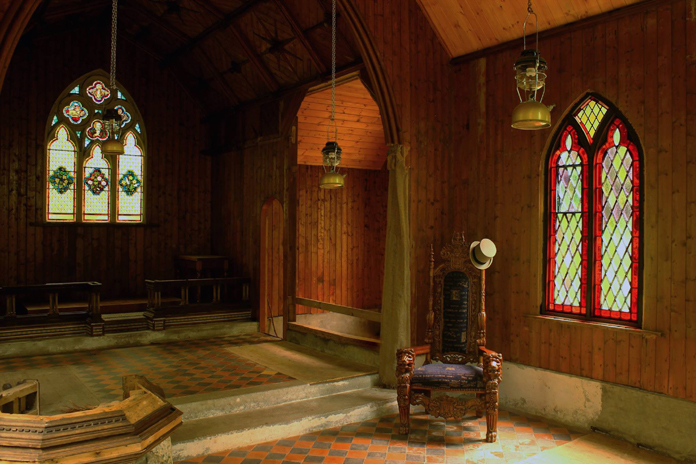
(220, 433)
(264, 396)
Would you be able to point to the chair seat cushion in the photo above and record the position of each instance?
(448, 377)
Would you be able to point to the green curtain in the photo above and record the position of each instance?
(396, 294)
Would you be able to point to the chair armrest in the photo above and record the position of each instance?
(405, 364)
(422, 349)
(492, 365)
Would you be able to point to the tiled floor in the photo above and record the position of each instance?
(431, 440)
(181, 368)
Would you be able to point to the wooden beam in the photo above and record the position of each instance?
(367, 314)
(300, 35)
(159, 22)
(227, 21)
(260, 66)
(224, 21)
(280, 93)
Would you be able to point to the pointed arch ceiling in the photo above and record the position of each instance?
(225, 52)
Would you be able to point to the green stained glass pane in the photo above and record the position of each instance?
(55, 120)
(75, 90)
(568, 227)
(590, 116)
(568, 276)
(617, 227)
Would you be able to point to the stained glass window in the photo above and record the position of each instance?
(129, 203)
(568, 226)
(95, 193)
(592, 265)
(61, 177)
(83, 184)
(590, 115)
(617, 226)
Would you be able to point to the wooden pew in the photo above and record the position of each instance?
(236, 306)
(89, 321)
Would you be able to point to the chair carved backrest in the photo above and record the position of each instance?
(456, 313)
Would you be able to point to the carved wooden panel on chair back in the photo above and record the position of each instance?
(456, 318)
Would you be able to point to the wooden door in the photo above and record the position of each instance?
(271, 281)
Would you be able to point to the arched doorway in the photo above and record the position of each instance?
(271, 278)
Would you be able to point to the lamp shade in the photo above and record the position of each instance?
(331, 180)
(531, 115)
(112, 147)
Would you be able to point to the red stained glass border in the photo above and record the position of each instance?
(553, 215)
(632, 315)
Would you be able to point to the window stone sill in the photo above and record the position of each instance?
(599, 325)
(94, 224)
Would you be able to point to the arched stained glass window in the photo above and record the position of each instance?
(109, 188)
(95, 193)
(61, 175)
(593, 216)
(568, 215)
(130, 173)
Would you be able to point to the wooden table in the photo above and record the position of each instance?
(205, 266)
(201, 263)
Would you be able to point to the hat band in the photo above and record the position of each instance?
(476, 258)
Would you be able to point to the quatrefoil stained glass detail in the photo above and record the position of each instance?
(125, 115)
(98, 92)
(61, 180)
(97, 181)
(75, 112)
(129, 183)
(97, 131)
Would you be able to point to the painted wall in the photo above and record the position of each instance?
(178, 176)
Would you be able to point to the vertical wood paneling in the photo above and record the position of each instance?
(349, 226)
(645, 64)
(178, 196)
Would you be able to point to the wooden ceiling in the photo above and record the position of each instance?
(360, 131)
(225, 52)
(466, 26)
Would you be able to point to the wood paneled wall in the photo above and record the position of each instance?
(470, 171)
(178, 176)
(242, 182)
(341, 238)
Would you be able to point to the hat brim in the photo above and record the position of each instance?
(478, 264)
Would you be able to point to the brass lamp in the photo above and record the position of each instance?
(111, 119)
(530, 74)
(331, 153)
(112, 123)
(332, 158)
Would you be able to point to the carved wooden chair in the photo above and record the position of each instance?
(456, 359)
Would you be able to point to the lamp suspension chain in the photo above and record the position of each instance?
(114, 19)
(333, 64)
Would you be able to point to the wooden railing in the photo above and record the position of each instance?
(367, 314)
(229, 301)
(13, 326)
(341, 337)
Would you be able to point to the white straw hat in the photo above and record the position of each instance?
(482, 253)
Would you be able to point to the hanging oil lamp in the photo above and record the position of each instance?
(111, 119)
(530, 74)
(331, 153)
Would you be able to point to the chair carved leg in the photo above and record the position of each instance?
(492, 416)
(405, 365)
(493, 374)
(404, 400)
(481, 410)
